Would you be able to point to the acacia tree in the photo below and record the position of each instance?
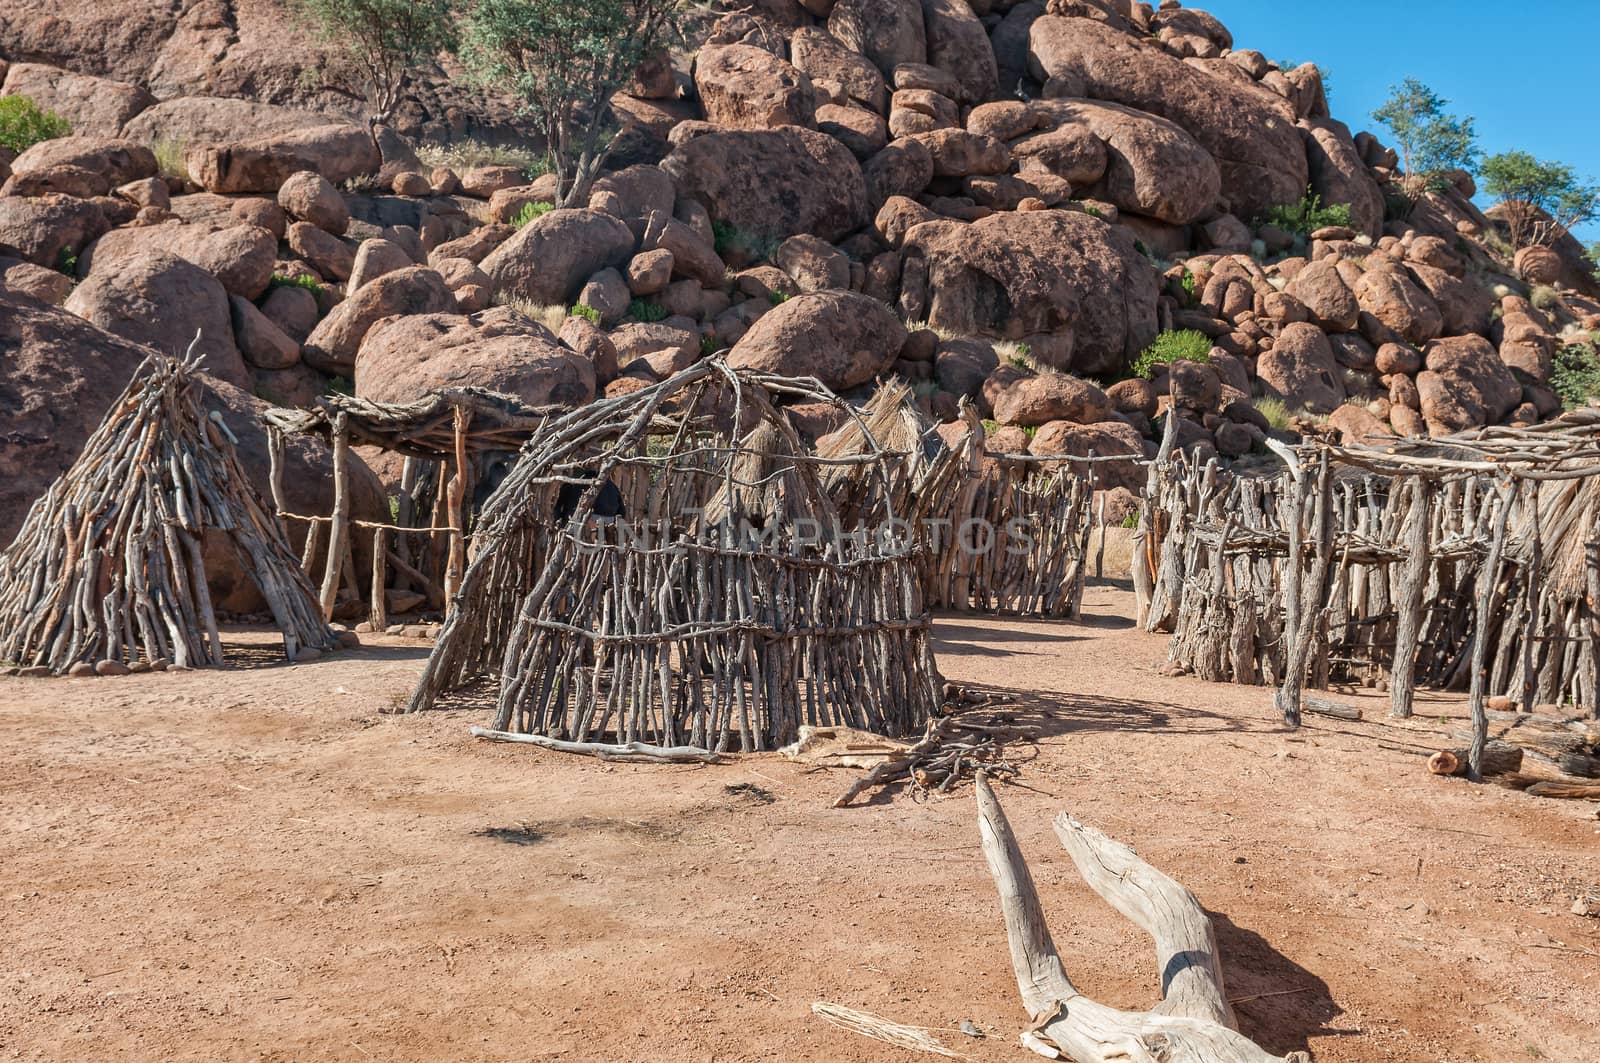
(564, 60)
(1430, 139)
(384, 40)
(1542, 200)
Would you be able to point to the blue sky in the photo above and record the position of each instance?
(1527, 71)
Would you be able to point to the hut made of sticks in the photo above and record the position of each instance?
(667, 566)
(1459, 563)
(108, 565)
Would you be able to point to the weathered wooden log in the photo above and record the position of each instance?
(624, 751)
(1496, 758)
(339, 528)
(1192, 1024)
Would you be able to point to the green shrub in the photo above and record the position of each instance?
(708, 346)
(67, 262)
(777, 298)
(1189, 285)
(24, 123)
(310, 284)
(1575, 373)
(1184, 345)
(588, 313)
(1131, 521)
(646, 310)
(1543, 297)
(169, 157)
(340, 385)
(728, 236)
(1274, 410)
(1308, 215)
(531, 211)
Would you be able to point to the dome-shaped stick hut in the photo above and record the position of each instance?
(108, 565)
(667, 567)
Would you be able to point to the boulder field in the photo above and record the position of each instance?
(1003, 202)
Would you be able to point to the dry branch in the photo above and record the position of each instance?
(1192, 1024)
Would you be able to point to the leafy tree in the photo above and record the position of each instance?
(1430, 139)
(1592, 253)
(565, 59)
(24, 123)
(384, 40)
(1542, 200)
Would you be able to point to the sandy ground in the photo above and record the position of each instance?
(263, 863)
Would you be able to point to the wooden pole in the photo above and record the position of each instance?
(1593, 555)
(1413, 583)
(1531, 603)
(339, 527)
(456, 564)
(1488, 579)
(379, 612)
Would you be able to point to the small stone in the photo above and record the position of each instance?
(395, 629)
(160, 664)
(307, 654)
(81, 668)
(109, 667)
(970, 1028)
(139, 667)
(349, 640)
(37, 671)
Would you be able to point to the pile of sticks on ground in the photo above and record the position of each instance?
(108, 570)
(666, 567)
(956, 747)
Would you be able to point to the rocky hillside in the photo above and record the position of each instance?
(1073, 214)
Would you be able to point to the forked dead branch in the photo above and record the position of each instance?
(1192, 1024)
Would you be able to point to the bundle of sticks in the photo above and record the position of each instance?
(955, 746)
(107, 572)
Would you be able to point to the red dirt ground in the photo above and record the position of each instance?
(262, 863)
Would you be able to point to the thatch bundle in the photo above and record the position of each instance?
(108, 565)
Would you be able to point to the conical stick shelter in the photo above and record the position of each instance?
(108, 565)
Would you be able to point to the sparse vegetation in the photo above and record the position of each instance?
(67, 262)
(1274, 410)
(530, 212)
(646, 310)
(1544, 297)
(777, 298)
(340, 385)
(728, 236)
(1575, 373)
(1542, 201)
(551, 315)
(588, 313)
(708, 345)
(464, 155)
(1307, 216)
(310, 284)
(1188, 285)
(1182, 345)
(1430, 139)
(169, 157)
(23, 123)
(382, 41)
(564, 61)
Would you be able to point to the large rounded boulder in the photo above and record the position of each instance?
(1066, 283)
(888, 32)
(1301, 371)
(405, 357)
(334, 343)
(164, 302)
(1465, 385)
(241, 257)
(842, 338)
(550, 259)
(742, 87)
(1247, 129)
(1152, 166)
(772, 183)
